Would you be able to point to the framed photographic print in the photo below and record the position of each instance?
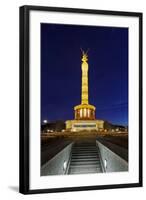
(80, 99)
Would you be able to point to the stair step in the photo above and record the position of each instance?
(83, 151)
(87, 154)
(84, 156)
(85, 147)
(84, 171)
(92, 172)
(84, 144)
(84, 165)
(85, 160)
(80, 168)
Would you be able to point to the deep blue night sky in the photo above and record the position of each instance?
(61, 71)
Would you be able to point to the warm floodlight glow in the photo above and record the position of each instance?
(81, 113)
(64, 165)
(84, 79)
(88, 113)
(85, 112)
(105, 164)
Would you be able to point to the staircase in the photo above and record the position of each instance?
(85, 159)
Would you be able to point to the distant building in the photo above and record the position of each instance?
(55, 126)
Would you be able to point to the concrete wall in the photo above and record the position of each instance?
(58, 164)
(111, 162)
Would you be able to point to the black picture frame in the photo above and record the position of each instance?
(25, 105)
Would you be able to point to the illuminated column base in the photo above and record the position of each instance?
(84, 125)
(84, 112)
